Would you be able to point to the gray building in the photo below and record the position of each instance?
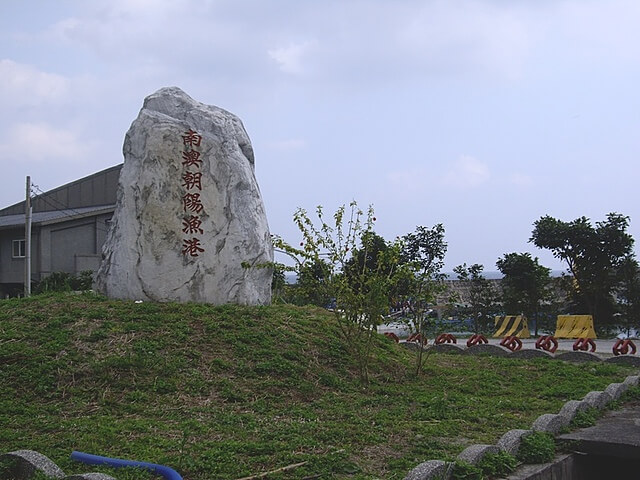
(69, 227)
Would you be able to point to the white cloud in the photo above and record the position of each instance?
(25, 85)
(466, 172)
(290, 58)
(41, 143)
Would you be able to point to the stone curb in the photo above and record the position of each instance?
(488, 349)
(529, 353)
(598, 400)
(511, 440)
(630, 360)
(578, 357)
(474, 453)
(90, 476)
(30, 462)
(616, 390)
(448, 348)
(550, 423)
(570, 409)
(428, 470)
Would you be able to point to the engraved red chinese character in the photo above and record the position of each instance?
(192, 202)
(192, 224)
(192, 180)
(191, 158)
(191, 247)
(191, 138)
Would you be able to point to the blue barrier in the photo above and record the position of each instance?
(166, 472)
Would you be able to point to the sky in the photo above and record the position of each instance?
(482, 115)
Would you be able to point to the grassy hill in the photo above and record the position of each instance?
(227, 392)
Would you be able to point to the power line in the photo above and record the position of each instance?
(59, 206)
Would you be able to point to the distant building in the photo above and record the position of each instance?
(69, 227)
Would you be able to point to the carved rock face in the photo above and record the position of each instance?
(189, 213)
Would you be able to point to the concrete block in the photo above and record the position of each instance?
(429, 470)
(474, 453)
(630, 360)
(527, 353)
(447, 348)
(488, 349)
(510, 441)
(549, 423)
(578, 357)
(598, 400)
(632, 380)
(571, 408)
(616, 390)
(90, 476)
(28, 462)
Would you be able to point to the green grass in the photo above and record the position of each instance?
(227, 392)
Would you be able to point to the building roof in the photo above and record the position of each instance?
(94, 190)
(54, 216)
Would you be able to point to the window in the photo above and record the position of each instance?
(19, 249)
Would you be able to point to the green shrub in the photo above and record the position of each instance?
(65, 282)
(584, 419)
(466, 471)
(498, 464)
(538, 447)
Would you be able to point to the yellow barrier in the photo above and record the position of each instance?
(575, 326)
(511, 325)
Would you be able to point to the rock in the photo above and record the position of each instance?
(189, 214)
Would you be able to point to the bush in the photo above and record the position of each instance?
(466, 471)
(537, 448)
(64, 282)
(497, 464)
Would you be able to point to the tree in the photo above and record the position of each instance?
(628, 294)
(356, 272)
(311, 287)
(480, 300)
(278, 283)
(525, 285)
(419, 279)
(594, 256)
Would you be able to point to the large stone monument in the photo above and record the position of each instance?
(190, 224)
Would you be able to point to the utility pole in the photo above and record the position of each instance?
(27, 240)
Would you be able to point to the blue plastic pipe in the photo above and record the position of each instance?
(166, 472)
